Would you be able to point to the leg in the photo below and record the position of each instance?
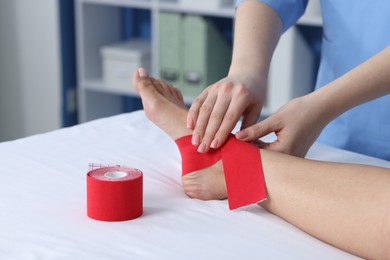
(342, 204)
(345, 205)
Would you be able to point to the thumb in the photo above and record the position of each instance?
(256, 131)
(276, 146)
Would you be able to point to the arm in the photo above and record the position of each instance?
(299, 122)
(217, 110)
(344, 205)
(366, 82)
(257, 31)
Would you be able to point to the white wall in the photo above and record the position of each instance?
(30, 87)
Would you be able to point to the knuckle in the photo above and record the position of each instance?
(257, 130)
(230, 117)
(205, 108)
(242, 90)
(197, 102)
(207, 90)
(207, 138)
(222, 137)
(192, 111)
(225, 87)
(215, 116)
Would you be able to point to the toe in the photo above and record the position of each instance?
(143, 73)
(138, 76)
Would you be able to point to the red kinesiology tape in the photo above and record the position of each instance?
(241, 164)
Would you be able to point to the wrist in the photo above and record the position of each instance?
(249, 66)
(251, 78)
(322, 106)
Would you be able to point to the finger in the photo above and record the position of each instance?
(202, 120)
(193, 112)
(261, 144)
(232, 115)
(283, 146)
(251, 117)
(275, 146)
(214, 123)
(257, 131)
(271, 146)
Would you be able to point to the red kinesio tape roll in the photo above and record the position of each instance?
(114, 193)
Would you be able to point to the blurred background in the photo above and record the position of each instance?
(65, 62)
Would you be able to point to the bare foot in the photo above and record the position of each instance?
(164, 106)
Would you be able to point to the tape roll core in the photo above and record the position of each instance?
(115, 174)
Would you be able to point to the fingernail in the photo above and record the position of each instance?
(202, 148)
(195, 139)
(241, 135)
(190, 123)
(143, 73)
(214, 144)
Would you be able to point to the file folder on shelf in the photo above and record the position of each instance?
(193, 53)
(170, 48)
(206, 55)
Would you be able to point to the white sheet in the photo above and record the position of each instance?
(43, 202)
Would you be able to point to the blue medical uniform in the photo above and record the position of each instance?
(354, 31)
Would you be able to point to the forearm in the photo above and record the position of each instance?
(366, 82)
(341, 204)
(257, 31)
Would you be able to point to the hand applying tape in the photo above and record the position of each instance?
(242, 167)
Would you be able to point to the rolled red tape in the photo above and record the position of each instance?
(114, 193)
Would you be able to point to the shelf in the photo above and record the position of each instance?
(173, 6)
(310, 20)
(227, 12)
(143, 4)
(99, 23)
(98, 86)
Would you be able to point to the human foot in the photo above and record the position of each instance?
(163, 105)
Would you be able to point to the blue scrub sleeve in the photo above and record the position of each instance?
(289, 11)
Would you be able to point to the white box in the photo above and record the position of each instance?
(120, 60)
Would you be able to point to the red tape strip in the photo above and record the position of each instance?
(241, 163)
(191, 160)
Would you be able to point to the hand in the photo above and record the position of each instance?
(296, 125)
(216, 111)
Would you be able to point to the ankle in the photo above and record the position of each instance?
(206, 184)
